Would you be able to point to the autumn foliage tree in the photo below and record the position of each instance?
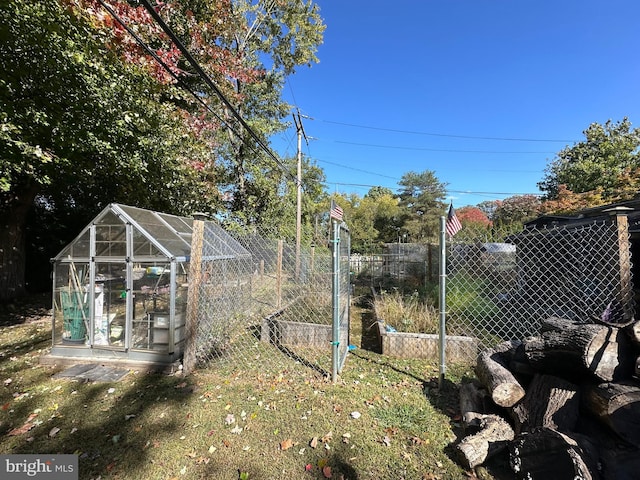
(88, 116)
(601, 163)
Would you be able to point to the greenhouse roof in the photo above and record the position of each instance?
(154, 234)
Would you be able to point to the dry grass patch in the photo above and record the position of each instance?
(406, 313)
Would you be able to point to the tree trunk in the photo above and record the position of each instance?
(617, 405)
(580, 349)
(634, 332)
(493, 437)
(548, 454)
(550, 402)
(473, 403)
(494, 374)
(13, 218)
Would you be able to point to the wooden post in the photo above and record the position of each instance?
(279, 274)
(626, 293)
(193, 295)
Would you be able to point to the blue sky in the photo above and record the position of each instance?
(483, 93)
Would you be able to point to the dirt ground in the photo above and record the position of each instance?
(29, 309)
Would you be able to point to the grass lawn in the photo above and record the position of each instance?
(384, 419)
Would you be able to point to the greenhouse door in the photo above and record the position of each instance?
(110, 325)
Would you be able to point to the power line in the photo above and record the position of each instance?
(448, 191)
(203, 75)
(397, 147)
(432, 134)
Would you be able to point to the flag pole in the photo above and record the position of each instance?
(442, 299)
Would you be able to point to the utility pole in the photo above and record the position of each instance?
(297, 119)
(300, 131)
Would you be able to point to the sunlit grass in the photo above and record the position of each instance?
(384, 418)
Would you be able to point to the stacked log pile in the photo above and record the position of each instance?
(562, 404)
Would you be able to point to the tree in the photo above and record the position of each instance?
(567, 202)
(608, 152)
(87, 117)
(489, 207)
(422, 194)
(77, 125)
(516, 210)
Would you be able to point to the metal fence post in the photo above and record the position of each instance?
(443, 309)
(335, 354)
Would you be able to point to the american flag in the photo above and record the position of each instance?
(453, 225)
(336, 212)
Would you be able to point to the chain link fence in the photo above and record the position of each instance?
(261, 298)
(503, 289)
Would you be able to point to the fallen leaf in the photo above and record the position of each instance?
(356, 415)
(237, 429)
(7, 381)
(192, 454)
(327, 438)
(386, 441)
(346, 437)
(326, 471)
(230, 418)
(20, 430)
(244, 476)
(314, 442)
(286, 444)
(181, 385)
(53, 432)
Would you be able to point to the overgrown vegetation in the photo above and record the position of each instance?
(406, 313)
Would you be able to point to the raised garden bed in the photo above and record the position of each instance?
(289, 333)
(459, 349)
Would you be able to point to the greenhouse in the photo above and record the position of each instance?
(120, 288)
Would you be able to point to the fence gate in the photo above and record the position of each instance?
(341, 247)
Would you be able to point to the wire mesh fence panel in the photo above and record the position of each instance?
(343, 297)
(406, 266)
(504, 289)
(260, 298)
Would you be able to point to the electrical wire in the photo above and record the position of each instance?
(203, 75)
(396, 147)
(432, 134)
(448, 191)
